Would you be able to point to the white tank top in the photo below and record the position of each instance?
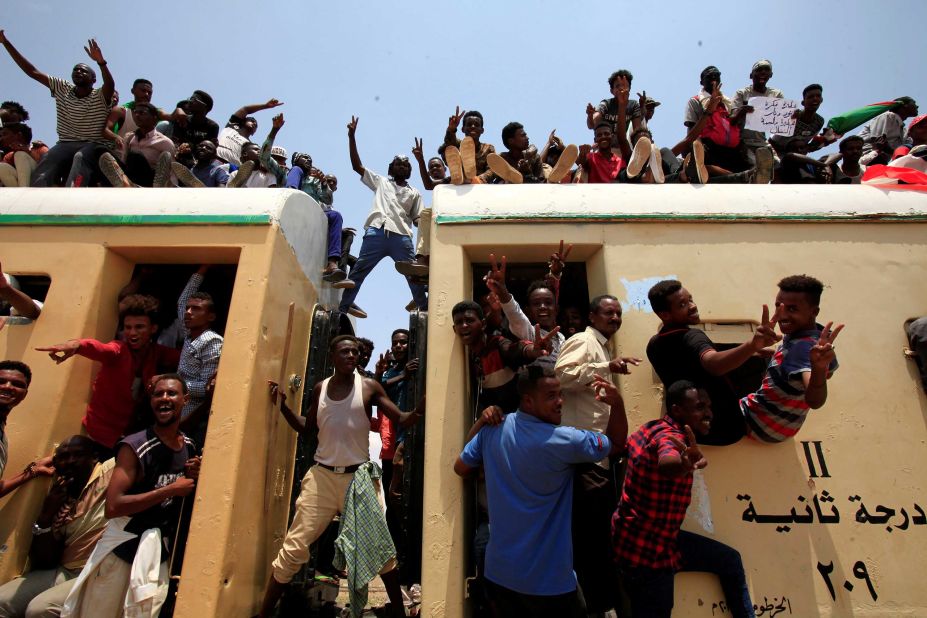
(128, 125)
(344, 427)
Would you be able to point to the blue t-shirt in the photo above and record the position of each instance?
(529, 483)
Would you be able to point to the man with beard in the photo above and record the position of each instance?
(155, 469)
(64, 534)
(82, 111)
(340, 409)
(127, 367)
(584, 358)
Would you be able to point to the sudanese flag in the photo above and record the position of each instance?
(847, 121)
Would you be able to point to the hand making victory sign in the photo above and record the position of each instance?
(541, 346)
(823, 352)
(765, 334)
(689, 453)
(495, 279)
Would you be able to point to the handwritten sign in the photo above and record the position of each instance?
(772, 116)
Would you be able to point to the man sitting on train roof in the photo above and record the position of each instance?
(118, 393)
(82, 112)
(155, 469)
(69, 524)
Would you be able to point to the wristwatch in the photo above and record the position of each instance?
(36, 530)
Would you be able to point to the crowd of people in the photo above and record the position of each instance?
(553, 536)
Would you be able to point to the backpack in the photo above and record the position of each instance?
(719, 128)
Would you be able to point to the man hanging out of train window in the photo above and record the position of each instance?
(649, 546)
(678, 352)
(796, 379)
(155, 470)
(530, 462)
(343, 480)
(119, 399)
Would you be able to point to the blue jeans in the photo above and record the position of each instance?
(651, 590)
(57, 162)
(378, 244)
(335, 223)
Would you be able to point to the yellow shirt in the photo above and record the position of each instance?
(81, 523)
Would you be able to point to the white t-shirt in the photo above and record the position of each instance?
(258, 179)
(229, 145)
(395, 208)
(911, 162)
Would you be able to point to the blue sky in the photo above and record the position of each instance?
(402, 67)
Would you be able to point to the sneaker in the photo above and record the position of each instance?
(344, 284)
(334, 275)
(454, 164)
(185, 176)
(764, 166)
(564, 164)
(698, 156)
(468, 158)
(356, 311)
(639, 157)
(162, 176)
(241, 178)
(411, 306)
(412, 269)
(114, 174)
(656, 164)
(501, 168)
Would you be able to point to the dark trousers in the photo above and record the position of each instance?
(651, 590)
(594, 502)
(731, 159)
(335, 223)
(56, 164)
(507, 603)
(138, 170)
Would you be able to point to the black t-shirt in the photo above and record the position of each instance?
(196, 131)
(159, 466)
(675, 353)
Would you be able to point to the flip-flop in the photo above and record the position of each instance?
(501, 168)
(564, 164)
(454, 164)
(468, 157)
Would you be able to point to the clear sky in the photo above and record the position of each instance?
(403, 66)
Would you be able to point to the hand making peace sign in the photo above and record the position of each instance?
(822, 353)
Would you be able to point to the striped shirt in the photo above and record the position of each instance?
(777, 410)
(80, 119)
(4, 448)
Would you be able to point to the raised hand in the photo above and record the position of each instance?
(624, 90)
(381, 366)
(411, 367)
(2, 37)
(557, 259)
(765, 334)
(418, 150)
(552, 138)
(822, 353)
(62, 351)
(541, 346)
(689, 452)
(278, 122)
(590, 110)
(713, 101)
(492, 416)
(605, 390)
(272, 103)
(93, 50)
(495, 278)
(642, 100)
(620, 364)
(352, 126)
(494, 303)
(275, 392)
(454, 121)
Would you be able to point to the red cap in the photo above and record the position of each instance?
(917, 120)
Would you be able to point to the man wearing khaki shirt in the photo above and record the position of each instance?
(583, 356)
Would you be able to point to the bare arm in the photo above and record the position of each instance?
(21, 302)
(719, 363)
(247, 110)
(109, 84)
(356, 164)
(118, 114)
(119, 503)
(624, 91)
(419, 154)
(26, 66)
(386, 407)
(822, 355)
(687, 459)
(617, 428)
(300, 424)
(34, 469)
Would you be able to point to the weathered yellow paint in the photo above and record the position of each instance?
(872, 429)
(242, 498)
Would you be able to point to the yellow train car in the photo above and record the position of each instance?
(830, 523)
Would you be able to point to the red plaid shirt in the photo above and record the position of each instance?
(652, 506)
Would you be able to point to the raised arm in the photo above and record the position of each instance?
(719, 363)
(624, 93)
(109, 84)
(24, 64)
(192, 287)
(267, 160)
(822, 356)
(247, 110)
(119, 503)
(419, 154)
(24, 305)
(356, 164)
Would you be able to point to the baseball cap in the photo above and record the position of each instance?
(278, 151)
(760, 64)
